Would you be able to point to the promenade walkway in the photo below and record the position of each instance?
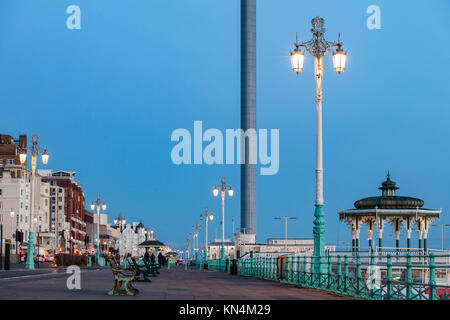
(173, 284)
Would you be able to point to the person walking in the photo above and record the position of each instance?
(160, 259)
(152, 258)
(146, 256)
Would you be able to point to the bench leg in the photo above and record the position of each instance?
(130, 291)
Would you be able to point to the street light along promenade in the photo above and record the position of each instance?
(318, 47)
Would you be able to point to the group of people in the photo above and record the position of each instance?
(161, 258)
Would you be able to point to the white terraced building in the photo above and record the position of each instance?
(132, 235)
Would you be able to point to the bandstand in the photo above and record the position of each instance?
(400, 212)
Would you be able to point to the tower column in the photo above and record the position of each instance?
(248, 113)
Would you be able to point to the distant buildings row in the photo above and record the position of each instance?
(60, 221)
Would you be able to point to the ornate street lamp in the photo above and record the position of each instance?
(223, 188)
(97, 204)
(319, 47)
(120, 221)
(208, 216)
(34, 150)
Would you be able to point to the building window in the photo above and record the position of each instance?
(1, 192)
(10, 161)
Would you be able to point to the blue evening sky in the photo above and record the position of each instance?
(105, 100)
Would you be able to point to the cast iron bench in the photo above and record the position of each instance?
(122, 277)
(142, 270)
(151, 266)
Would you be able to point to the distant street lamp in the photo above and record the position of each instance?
(442, 225)
(223, 188)
(98, 204)
(34, 150)
(285, 228)
(208, 216)
(318, 47)
(120, 221)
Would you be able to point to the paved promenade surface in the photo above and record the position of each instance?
(173, 284)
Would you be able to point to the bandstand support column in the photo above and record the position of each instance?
(357, 240)
(380, 223)
(397, 234)
(397, 239)
(408, 240)
(425, 235)
(380, 239)
(420, 238)
(353, 239)
(408, 233)
(370, 233)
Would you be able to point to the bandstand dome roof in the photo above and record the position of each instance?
(388, 199)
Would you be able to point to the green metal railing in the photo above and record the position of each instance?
(410, 276)
(221, 265)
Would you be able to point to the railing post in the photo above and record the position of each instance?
(339, 274)
(298, 270)
(286, 269)
(311, 271)
(319, 260)
(389, 278)
(432, 278)
(329, 273)
(261, 262)
(372, 274)
(346, 274)
(266, 268)
(358, 275)
(408, 277)
(289, 263)
(304, 270)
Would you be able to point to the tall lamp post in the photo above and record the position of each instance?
(120, 222)
(318, 47)
(285, 228)
(97, 204)
(34, 150)
(207, 216)
(12, 214)
(196, 228)
(223, 188)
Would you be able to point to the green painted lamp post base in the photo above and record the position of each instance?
(30, 252)
(319, 240)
